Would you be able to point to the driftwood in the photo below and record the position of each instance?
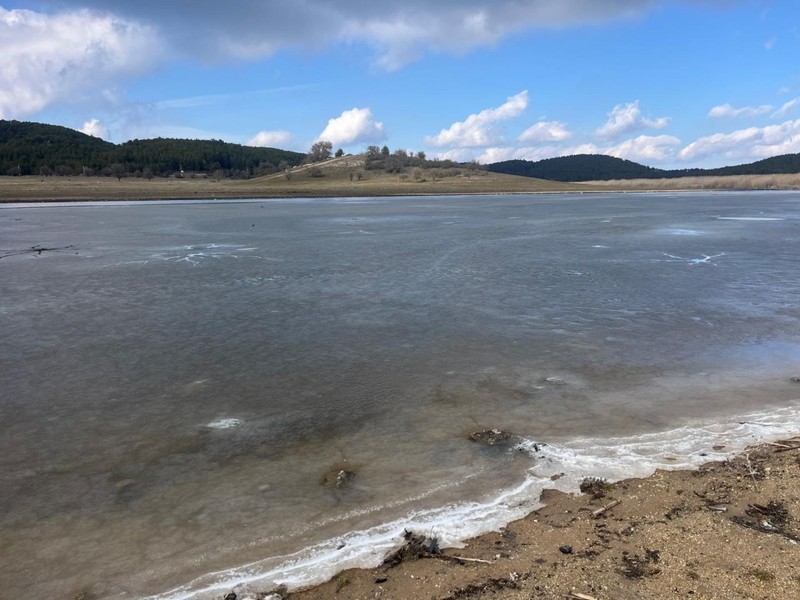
(577, 596)
(603, 509)
(465, 559)
(786, 448)
(37, 250)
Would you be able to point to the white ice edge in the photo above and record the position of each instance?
(750, 219)
(612, 458)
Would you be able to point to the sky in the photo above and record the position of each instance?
(668, 83)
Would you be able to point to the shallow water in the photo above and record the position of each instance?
(178, 378)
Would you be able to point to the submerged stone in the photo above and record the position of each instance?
(338, 478)
(490, 437)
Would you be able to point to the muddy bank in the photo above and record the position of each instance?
(727, 530)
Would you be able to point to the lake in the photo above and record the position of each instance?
(180, 379)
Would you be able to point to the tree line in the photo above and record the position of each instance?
(38, 149)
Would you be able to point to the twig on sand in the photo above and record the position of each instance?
(776, 444)
(603, 509)
(787, 447)
(577, 596)
(751, 471)
(465, 559)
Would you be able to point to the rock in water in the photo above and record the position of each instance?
(342, 477)
(490, 437)
(338, 478)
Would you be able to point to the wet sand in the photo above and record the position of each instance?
(726, 530)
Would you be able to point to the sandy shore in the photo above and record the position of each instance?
(727, 530)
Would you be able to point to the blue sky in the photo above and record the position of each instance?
(677, 83)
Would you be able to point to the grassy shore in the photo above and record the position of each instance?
(728, 530)
(347, 176)
(339, 178)
(300, 183)
(727, 182)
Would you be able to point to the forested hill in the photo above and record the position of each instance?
(38, 149)
(590, 167)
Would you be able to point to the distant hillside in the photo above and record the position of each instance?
(580, 167)
(38, 149)
(30, 146)
(597, 167)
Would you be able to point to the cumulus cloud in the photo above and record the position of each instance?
(67, 57)
(749, 143)
(353, 126)
(497, 154)
(786, 108)
(400, 31)
(646, 148)
(545, 131)
(95, 128)
(627, 118)
(83, 45)
(726, 110)
(641, 149)
(270, 139)
(480, 129)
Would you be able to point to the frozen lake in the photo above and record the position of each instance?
(178, 378)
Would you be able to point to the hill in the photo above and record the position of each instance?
(345, 176)
(580, 167)
(28, 147)
(37, 149)
(598, 167)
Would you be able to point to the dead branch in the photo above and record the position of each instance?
(465, 559)
(603, 509)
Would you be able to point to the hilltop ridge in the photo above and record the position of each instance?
(596, 167)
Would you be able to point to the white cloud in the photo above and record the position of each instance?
(353, 126)
(501, 153)
(640, 149)
(726, 110)
(271, 139)
(770, 43)
(627, 118)
(750, 143)
(645, 148)
(81, 47)
(400, 31)
(786, 108)
(479, 129)
(67, 57)
(456, 154)
(545, 131)
(95, 128)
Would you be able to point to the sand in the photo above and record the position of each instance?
(727, 530)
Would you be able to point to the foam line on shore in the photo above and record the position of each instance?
(611, 458)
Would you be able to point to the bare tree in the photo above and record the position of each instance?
(319, 151)
(118, 171)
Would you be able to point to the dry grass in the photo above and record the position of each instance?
(335, 181)
(727, 182)
(347, 177)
